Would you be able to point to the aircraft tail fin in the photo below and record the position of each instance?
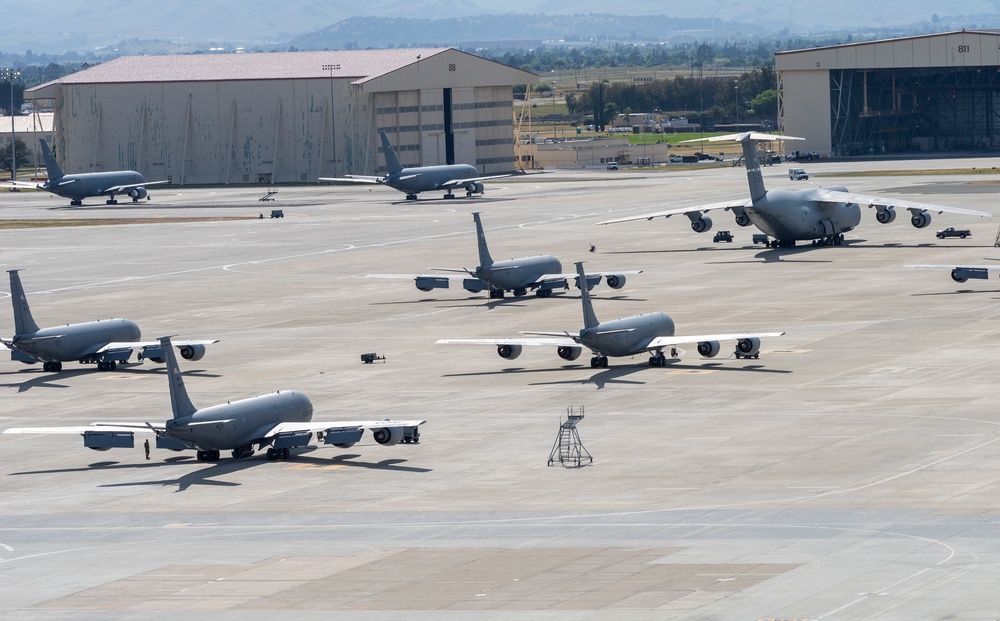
(754, 177)
(52, 168)
(589, 317)
(24, 323)
(180, 403)
(392, 164)
(485, 260)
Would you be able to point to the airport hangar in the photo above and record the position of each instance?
(266, 117)
(931, 93)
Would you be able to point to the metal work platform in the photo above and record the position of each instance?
(568, 449)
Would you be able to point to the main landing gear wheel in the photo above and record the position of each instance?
(282, 453)
(110, 365)
(411, 197)
(112, 201)
(212, 455)
(599, 362)
(520, 292)
(52, 366)
(75, 203)
(544, 293)
(496, 293)
(449, 195)
(659, 360)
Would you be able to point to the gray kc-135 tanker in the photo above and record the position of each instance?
(542, 273)
(628, 336)
(821, 215)
(79, 186)
(414, 180)
(104, 342)
(280, 420)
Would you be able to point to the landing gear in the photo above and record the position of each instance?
(112, 201)
(76, 202)
(52, 366)
(135, 199)
(449, 195)
(659, 360)
(830, 240)
(243, 451)
(411, 197)
(496, 294)
(520, 292)
(544, 293)
(782, 243)
(110, 365)
(212, 455)
(599, 362)
(282, 453)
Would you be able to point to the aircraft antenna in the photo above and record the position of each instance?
(568, 449)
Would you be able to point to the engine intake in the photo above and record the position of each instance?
(388, 436)
(709, 349)
(510, 352)
(192, 352)
(474, 187)
(567, 352)
(886, 215)
(748, 347)
(701, 225)
(137, 193)
(921, 219)
(615, 281)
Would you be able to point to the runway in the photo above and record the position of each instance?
(851, 472)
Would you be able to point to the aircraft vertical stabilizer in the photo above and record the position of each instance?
(485, 260)
(757, 190)
(52, 168)
(392, 164)
(180, 403)
(24, 323)
(589, 317)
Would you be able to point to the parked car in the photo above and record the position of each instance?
(953, 232)
(612, 165)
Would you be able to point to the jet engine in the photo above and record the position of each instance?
(509, 352)
(920, 220)
(192, 352)
(742, 219)
(615, 281)
(956, 277)
(388, 436)
(474, 187)
(748, 347)
(702, 224)
(568, 352)
(709, 349)
(886, 215)
(137, 193)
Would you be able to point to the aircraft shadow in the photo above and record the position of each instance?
(451, 201)
(46, 379)
(769, 255)
(498, 302)
(958, 292)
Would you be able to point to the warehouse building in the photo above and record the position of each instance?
(284, 117)
(933, 93)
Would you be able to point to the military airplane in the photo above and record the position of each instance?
(417, 179)
(629, 336)
(543, 274)
(280, 420)
(105, 342)
(820, 215)
(79, 186)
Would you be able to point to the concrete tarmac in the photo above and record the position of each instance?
(851, 472)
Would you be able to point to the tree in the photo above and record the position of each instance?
(766, 103)
(23, 159)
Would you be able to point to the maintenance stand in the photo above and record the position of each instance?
(568, 450)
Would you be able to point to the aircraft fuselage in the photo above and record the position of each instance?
(518, 273)
(627, 336)
(797, 215)
(76, 341)
(85, 185)
(428, 178)
(240, 422)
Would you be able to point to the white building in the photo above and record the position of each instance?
(284, 117)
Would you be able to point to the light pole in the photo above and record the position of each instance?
(333, 131)
(10, 75)
(737, 106)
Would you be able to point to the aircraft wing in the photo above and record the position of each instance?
(951, 267)
(554, 341)
(669, 341)
(454, 183)
(881, 201)
(744, 136)
(314, 426)
(572, 275)
(81, 429)
(734, 204)
(27, 185)
(141, 344)
(128, 186)
(354, 179)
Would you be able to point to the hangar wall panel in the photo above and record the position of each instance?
(806, 104)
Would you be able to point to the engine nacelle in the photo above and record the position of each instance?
(920, 220)
(568, 352)
(474, 187)
(510, 352)
(709, 349)
(157, 360)
(388, 436)
(137, 193)
(955, 276)
(886, 216)
(748, 347)
(192, 352)
(701, 225)
(742, 219)
(615, 281)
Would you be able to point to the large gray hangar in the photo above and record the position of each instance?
(936, 92)
(286, 116)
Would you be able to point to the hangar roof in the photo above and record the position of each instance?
(960, 48)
